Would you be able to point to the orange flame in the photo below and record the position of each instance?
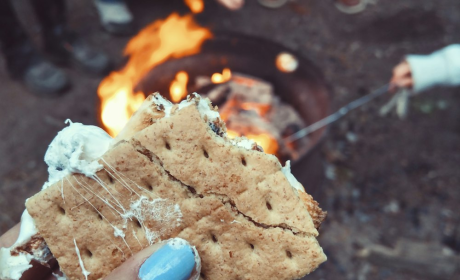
(173, 37)
(178, 88)
(261, 109)
(265, 140)
(196, 6)
(218, 78)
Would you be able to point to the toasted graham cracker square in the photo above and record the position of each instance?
(176, 177)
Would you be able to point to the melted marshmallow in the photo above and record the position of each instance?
(243, 142)
(76, 149)
(166, 104)
(166, 216)
(204, 107)
(12, 267)
(83, 270)
(291, 179)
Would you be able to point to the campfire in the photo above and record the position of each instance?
(196, 6)
(173, 37)
(168, 56)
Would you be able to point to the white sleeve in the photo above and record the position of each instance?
(439, 68)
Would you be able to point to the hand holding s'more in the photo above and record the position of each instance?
(174, 262)
(171, 180)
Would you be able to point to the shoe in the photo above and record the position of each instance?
(352, 8)
(115, 17)
(24, 63)
(68, 48)
(44, 78)
(273, 4)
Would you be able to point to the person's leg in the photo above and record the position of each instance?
(64, 45)
(22, 60)
(115, 16)
(13, 39)
(52, 16)
(273, 3)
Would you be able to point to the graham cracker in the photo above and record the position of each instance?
(235, 205)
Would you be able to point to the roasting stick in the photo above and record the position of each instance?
(337, 115)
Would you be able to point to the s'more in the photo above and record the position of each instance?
(172, 172)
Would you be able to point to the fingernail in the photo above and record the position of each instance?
(174, 261)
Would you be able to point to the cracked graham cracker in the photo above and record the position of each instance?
(177, 177)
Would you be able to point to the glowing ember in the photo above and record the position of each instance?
(178, 88)
(196, 6)
(218, 78)
(173, 37)
(286, 62)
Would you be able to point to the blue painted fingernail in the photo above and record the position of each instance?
(174, 261)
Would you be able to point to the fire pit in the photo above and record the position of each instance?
(273, 91)
(298, 83)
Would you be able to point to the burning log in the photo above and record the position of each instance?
(250, 108)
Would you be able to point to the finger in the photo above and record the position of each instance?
(402, 69)
(173, 261)
(8, 239)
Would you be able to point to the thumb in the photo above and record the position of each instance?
(174, 259)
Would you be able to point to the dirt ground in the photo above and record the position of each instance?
(390, 182)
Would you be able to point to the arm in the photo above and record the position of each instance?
(439, 68)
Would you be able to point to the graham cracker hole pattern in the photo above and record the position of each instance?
(205, 153)
(148, 186)
(110, 178)
(251, 245)
(137, 223)
(100, 216)
(167, 146)
(214, 238)
(61, 210)
(191, 189)
(269, 206)
(243, 161)
(289, 254)
(87, 253)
